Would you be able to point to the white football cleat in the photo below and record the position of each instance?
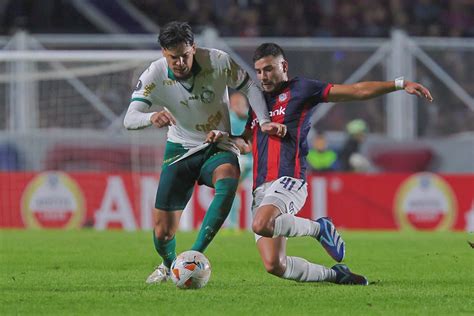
(161, 274)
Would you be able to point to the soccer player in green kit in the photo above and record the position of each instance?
(191, 85)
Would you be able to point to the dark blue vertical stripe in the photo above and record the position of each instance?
(304, 142)
(262, 145)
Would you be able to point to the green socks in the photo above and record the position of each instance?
(213, 220)
(217, 212)
(166, 249)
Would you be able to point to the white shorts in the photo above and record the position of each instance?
(286, 193)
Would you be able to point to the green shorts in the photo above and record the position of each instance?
(177, 180)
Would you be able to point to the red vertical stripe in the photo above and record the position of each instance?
(298, 136)
(273, 159)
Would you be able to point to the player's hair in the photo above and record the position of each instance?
(268, 49)
(175, 33)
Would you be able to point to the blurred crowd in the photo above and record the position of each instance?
(251, 18)
(326, 18)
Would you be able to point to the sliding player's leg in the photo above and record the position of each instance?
(273, 254)
(288, 195)
(222, 172)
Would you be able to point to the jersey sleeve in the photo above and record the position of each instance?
(145, 89)
(236, 76)
(314, 90)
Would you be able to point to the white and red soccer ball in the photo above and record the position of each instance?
(190, 270)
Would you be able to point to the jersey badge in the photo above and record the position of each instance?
(207, 96)
(139, 85)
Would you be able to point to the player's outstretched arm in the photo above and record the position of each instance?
(257, 102)
(371, 89)
(417, 89)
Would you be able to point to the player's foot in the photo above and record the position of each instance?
(346, 276)
(330, 239)
(161, 274)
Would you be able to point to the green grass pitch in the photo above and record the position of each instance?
(102, 273)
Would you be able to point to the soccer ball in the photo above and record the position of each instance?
(190, 270)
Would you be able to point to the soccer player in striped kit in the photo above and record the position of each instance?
(280, 189)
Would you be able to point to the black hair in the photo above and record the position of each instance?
(268, 49)
(175, 33)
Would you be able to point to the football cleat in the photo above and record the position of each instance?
(161, 274)
(345, 276)
(330, 239)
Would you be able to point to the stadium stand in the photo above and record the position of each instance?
(260, 17)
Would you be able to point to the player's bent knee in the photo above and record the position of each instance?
(275, 267)
(262, 227)
(164, 233)
(226, 170)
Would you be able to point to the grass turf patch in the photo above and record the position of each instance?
(88, 272)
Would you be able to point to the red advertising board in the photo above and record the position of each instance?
(421, 201)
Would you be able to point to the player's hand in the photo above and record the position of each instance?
(272, 128)
(215, 135)
(418, 89)
(162, 118)
(242, 145)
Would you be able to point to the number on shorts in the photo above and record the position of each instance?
(288, 183)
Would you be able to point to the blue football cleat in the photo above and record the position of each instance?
(345, 276)
(330, 239)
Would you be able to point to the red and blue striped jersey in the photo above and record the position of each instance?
(292, 105)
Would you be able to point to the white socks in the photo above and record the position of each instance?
(301, 270)
(287, 225)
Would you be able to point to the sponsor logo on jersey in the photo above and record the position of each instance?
(204, 98)
(425, 201)
(148, 89)
(212, 123)
(52, 200)
(280, 111)
(227, 72)
(169, 82)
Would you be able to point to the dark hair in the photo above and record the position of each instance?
(175, 33)
(268, 49)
